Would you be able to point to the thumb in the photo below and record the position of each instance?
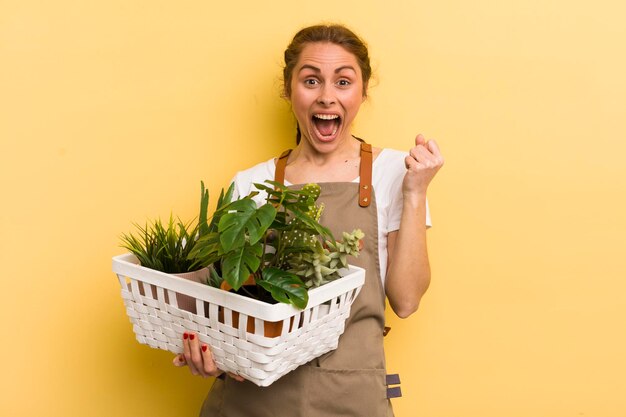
(420, 140)
(179, 360)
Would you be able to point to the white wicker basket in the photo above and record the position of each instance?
(151, 305)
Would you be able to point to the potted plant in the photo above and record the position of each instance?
(165, 246)
(280, 247)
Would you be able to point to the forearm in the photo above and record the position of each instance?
(408, 272)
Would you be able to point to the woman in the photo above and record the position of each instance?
(380, 191)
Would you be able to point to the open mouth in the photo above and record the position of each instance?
(326, 124)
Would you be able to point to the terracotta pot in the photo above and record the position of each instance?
(270, 328)
(249, 282)
(185, 302)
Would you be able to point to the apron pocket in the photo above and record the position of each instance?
(345, 392)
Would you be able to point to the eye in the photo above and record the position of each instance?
(343, 83)
(310, 82)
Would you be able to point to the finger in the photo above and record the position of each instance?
(437, 159)
(196, 354)
(433, 148)
(422, 155)
(179, 360)
(187, 353)
(209, 365)
(410, 163)
(420, 139)
(236, 377)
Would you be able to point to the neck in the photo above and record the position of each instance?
(348, 148)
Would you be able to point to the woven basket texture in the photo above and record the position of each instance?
(151, 303)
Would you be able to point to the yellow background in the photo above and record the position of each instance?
(113, 111)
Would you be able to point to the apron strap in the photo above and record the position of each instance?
(365, 173)
(281, 164)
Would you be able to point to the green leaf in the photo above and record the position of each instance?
(215, 280)
(163, 246)
(240, 263)
(311, 223)
(223, 200)
(271, 191)
(207, 249)
(244, 221)
(285, 287)
(204, 209)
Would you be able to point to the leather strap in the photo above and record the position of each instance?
(365, 173)
(281, 164)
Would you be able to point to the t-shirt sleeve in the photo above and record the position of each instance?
(244, 181)
(237, 187)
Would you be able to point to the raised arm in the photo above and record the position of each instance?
(408, 269)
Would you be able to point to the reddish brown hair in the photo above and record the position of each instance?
(337, 34)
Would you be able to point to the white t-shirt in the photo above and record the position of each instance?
(388, 171)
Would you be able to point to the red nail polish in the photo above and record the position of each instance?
(204, 348)
(185, 336)
(192, 336)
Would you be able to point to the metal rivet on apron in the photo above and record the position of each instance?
(365, 200)
(365, 187)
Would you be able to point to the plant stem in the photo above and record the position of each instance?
(263, 253)
(243, 287)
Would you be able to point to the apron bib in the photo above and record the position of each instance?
(351, 380)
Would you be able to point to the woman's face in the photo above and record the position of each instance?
(326, 93)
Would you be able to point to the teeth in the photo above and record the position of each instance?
(326, 116)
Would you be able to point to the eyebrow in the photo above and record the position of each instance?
(338, 70)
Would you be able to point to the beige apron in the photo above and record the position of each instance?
(351, 380)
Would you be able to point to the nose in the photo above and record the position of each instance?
(326, 96)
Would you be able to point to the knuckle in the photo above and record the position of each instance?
(210, 367)
(198, 362)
